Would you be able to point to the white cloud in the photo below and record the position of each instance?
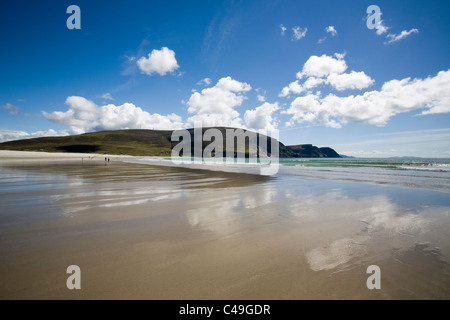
(159, 61)
(204, 82)
(339, 56)
(299, 32)
(322, 66)
(375, 107)
(261, 117)
(12, 109)
(352, 80)
(215, 106)
(296, 88)
(9, 135)
(327, 70)
(332, 30)
(329, 29)
(85, 116)
(381, 28)
(321, 40)
(283, 29)
(402, 35)
(215, 120)
(313, 82)
(293, 87)
(107, 96)
(309, 109)
(261, 98)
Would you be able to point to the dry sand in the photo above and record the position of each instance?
(57, 156)
(147, 232)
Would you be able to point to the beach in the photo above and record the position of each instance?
(146, 231)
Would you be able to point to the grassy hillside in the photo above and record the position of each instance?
(131, 142)
(139, 143)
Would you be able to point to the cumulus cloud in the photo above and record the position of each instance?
(293, 87)
(261, 118)
(107, 96)
(85, 116)
(332, 30)
(352, 80)
(313, 82)
(296, 87)
(299, 32)
(402, 35)
(327, 70)
(12, 109)
(322, 66)
(261, 98)
(204, 82)
(283, 29)
(159, 61)
(215, 106)
(9, 135)
(431, 94)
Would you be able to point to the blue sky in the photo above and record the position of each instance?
(311, 69)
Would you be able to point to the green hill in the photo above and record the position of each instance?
(141, 143)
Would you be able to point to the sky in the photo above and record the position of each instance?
(368, 83)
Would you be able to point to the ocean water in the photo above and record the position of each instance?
(421, 173)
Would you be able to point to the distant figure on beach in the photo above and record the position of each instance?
(108, 160)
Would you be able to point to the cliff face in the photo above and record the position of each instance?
(329, 152)
(146, 143)
(308, 151)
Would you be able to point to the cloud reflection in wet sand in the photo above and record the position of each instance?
(384, 229)
(382, 220)
(225, 209)
(250, 234)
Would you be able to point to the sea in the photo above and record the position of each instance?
(421, 173)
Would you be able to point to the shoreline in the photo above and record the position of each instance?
(55, 156)
(152, 232)
(434, 177)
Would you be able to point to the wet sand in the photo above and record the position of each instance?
(148, 232)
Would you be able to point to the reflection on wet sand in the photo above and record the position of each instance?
(139, 231)
(382, 220)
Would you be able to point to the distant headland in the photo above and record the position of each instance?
(141, 142)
